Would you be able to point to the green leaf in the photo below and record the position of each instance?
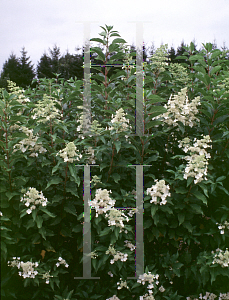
(98, 40)
(200, 196)
(105, 231)
(223, 189)
(114, 34)
(117, 145)
(189, 181)
(181, 190)
(188, 226)
(181, 218)
(56, 167)
(56, 180)
(221, 178)
(42, 231)
(77, 228)
(118, 40)
(70, 208)
(73, 172)
(47, 212)
(39, 221)
(154, 209)
(147, 223)
(116, 231)
(156, 99)
(116, 177)
(215, 70)
(157, 110)
(99, 52)
(196, 57)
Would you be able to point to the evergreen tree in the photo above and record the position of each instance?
(26, 70)
(71, 66)
(44, 67)
(55, 59)
(179, 52)
(172, 55)
(10, 71)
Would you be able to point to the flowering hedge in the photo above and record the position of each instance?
(186, 180)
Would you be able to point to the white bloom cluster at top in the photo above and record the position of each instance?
(46, 110)
(122, 284)
(179, 109)
(223, 296)
(116, 218)
(18, 92)
(157, 190)
(147, 297)
(159, 58)
(179, 74)
(91, 159)
(62, 261)
(30, 141)
(102, 202)
(129, 245)
(69, 152)
(210, 296)
(221, 258)
(46, 276)
(197, 166)
(119, 121)
(27, 267)
(117, 255)
(1, 214)
(114, 297)
(222, 227)
(150, 278)
(33, 198)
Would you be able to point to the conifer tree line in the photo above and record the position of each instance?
(22, 72)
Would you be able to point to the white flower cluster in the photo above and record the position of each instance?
(46, 276)
(93, 254)
(221, 258)
(81, 120)
(114, 297)
(180, 109)
(33, 198)
(157, 190)
(96, 179)
(129, 245)
(117, 255)
(91, 159)
(27, 267)
(102, 202)
(46, 110)
(150, 278)
(30, 143)
(197, 166)
(147, 297)
(159, 58)
(116, 217)
(14, 89)
(122, 284)
(222, 227)
(223, 296)
(62, 262)
(208, 296)
(179, 73)
(120, 122)
(223, 85)
(69, 152)
(1, 214)
(111, 274)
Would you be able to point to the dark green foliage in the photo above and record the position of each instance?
(178, 236)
